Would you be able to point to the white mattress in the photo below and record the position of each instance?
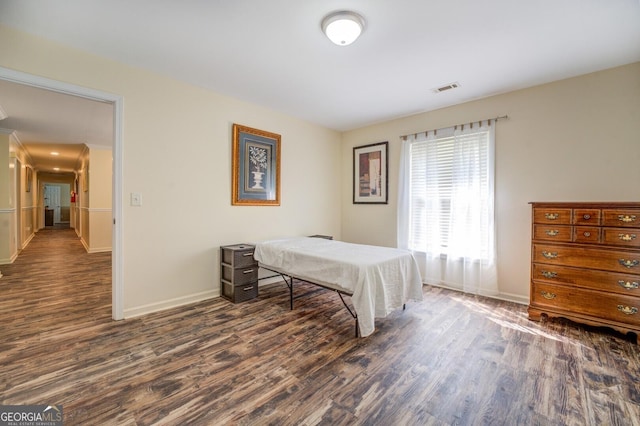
(380, 279)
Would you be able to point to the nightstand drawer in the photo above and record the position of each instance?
(240, 275)
(239, 293)
(239, 255)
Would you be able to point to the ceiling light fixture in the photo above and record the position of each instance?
(343, 27)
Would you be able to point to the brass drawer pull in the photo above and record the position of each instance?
(586, 216)
(627, 237)
(550, 296)
(248, 288)
(552, 232)
(550, 254)
(549, 274)
(247, 254)
(626, 218)
(629, 285)
(551, 216)
(586, 233)
(628, 263)
(247, 271)
(628, 310)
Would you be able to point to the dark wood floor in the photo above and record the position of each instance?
(451, 359)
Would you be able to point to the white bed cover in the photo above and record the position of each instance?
(380, 279)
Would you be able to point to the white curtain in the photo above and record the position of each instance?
(446, 206)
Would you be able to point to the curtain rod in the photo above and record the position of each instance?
(502, 117)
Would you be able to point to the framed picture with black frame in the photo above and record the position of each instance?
(255, 167)
(371, 174)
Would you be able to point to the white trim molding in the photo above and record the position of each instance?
(117, 305)
(170, 303)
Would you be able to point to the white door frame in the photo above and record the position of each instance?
(117, 280)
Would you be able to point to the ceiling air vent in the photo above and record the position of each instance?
(446, 87)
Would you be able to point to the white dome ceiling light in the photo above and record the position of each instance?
(343, 27)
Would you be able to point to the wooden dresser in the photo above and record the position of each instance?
(585, 263)
(238, 273)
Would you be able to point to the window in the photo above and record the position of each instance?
(445, 206)
(445, 167)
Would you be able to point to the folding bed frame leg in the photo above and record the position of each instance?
(353, 314)
(291, 292)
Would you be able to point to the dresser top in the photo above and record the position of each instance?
(587, 204)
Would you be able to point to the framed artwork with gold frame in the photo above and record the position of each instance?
(255, 167)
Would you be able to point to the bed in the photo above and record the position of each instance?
(379, 280)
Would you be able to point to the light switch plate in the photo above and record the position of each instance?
(136, 199)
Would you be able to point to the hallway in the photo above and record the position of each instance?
(53, 284)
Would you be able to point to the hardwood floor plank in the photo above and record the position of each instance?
(451, 359)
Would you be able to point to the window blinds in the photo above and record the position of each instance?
(446, 172)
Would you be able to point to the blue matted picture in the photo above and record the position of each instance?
(256, 167)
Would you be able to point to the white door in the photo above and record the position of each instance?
(52, 201)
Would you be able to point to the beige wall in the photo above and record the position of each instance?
(18, 210)
(99, 213)
(177, 155)
(7, 204)
(572, 140)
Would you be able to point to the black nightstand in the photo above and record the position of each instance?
(238, 273)
(326, 237)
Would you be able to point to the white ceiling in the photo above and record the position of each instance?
(273, 52)
(47, 121)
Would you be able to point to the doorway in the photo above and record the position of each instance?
(117, 102)
(57, 205)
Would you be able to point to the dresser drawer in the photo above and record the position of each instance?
(610, 282)
(238, 256)
(240, 275)
(586, 257)
(586, 217)
(621, 217)
(558, 216)
(586, 234)
(610, 306)
(552, 233)
(239, 293)
(625, 237)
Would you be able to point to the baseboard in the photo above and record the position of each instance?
(509, 297)
(99, 250)
(26, 242)
(10, 260)
(171, 303)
